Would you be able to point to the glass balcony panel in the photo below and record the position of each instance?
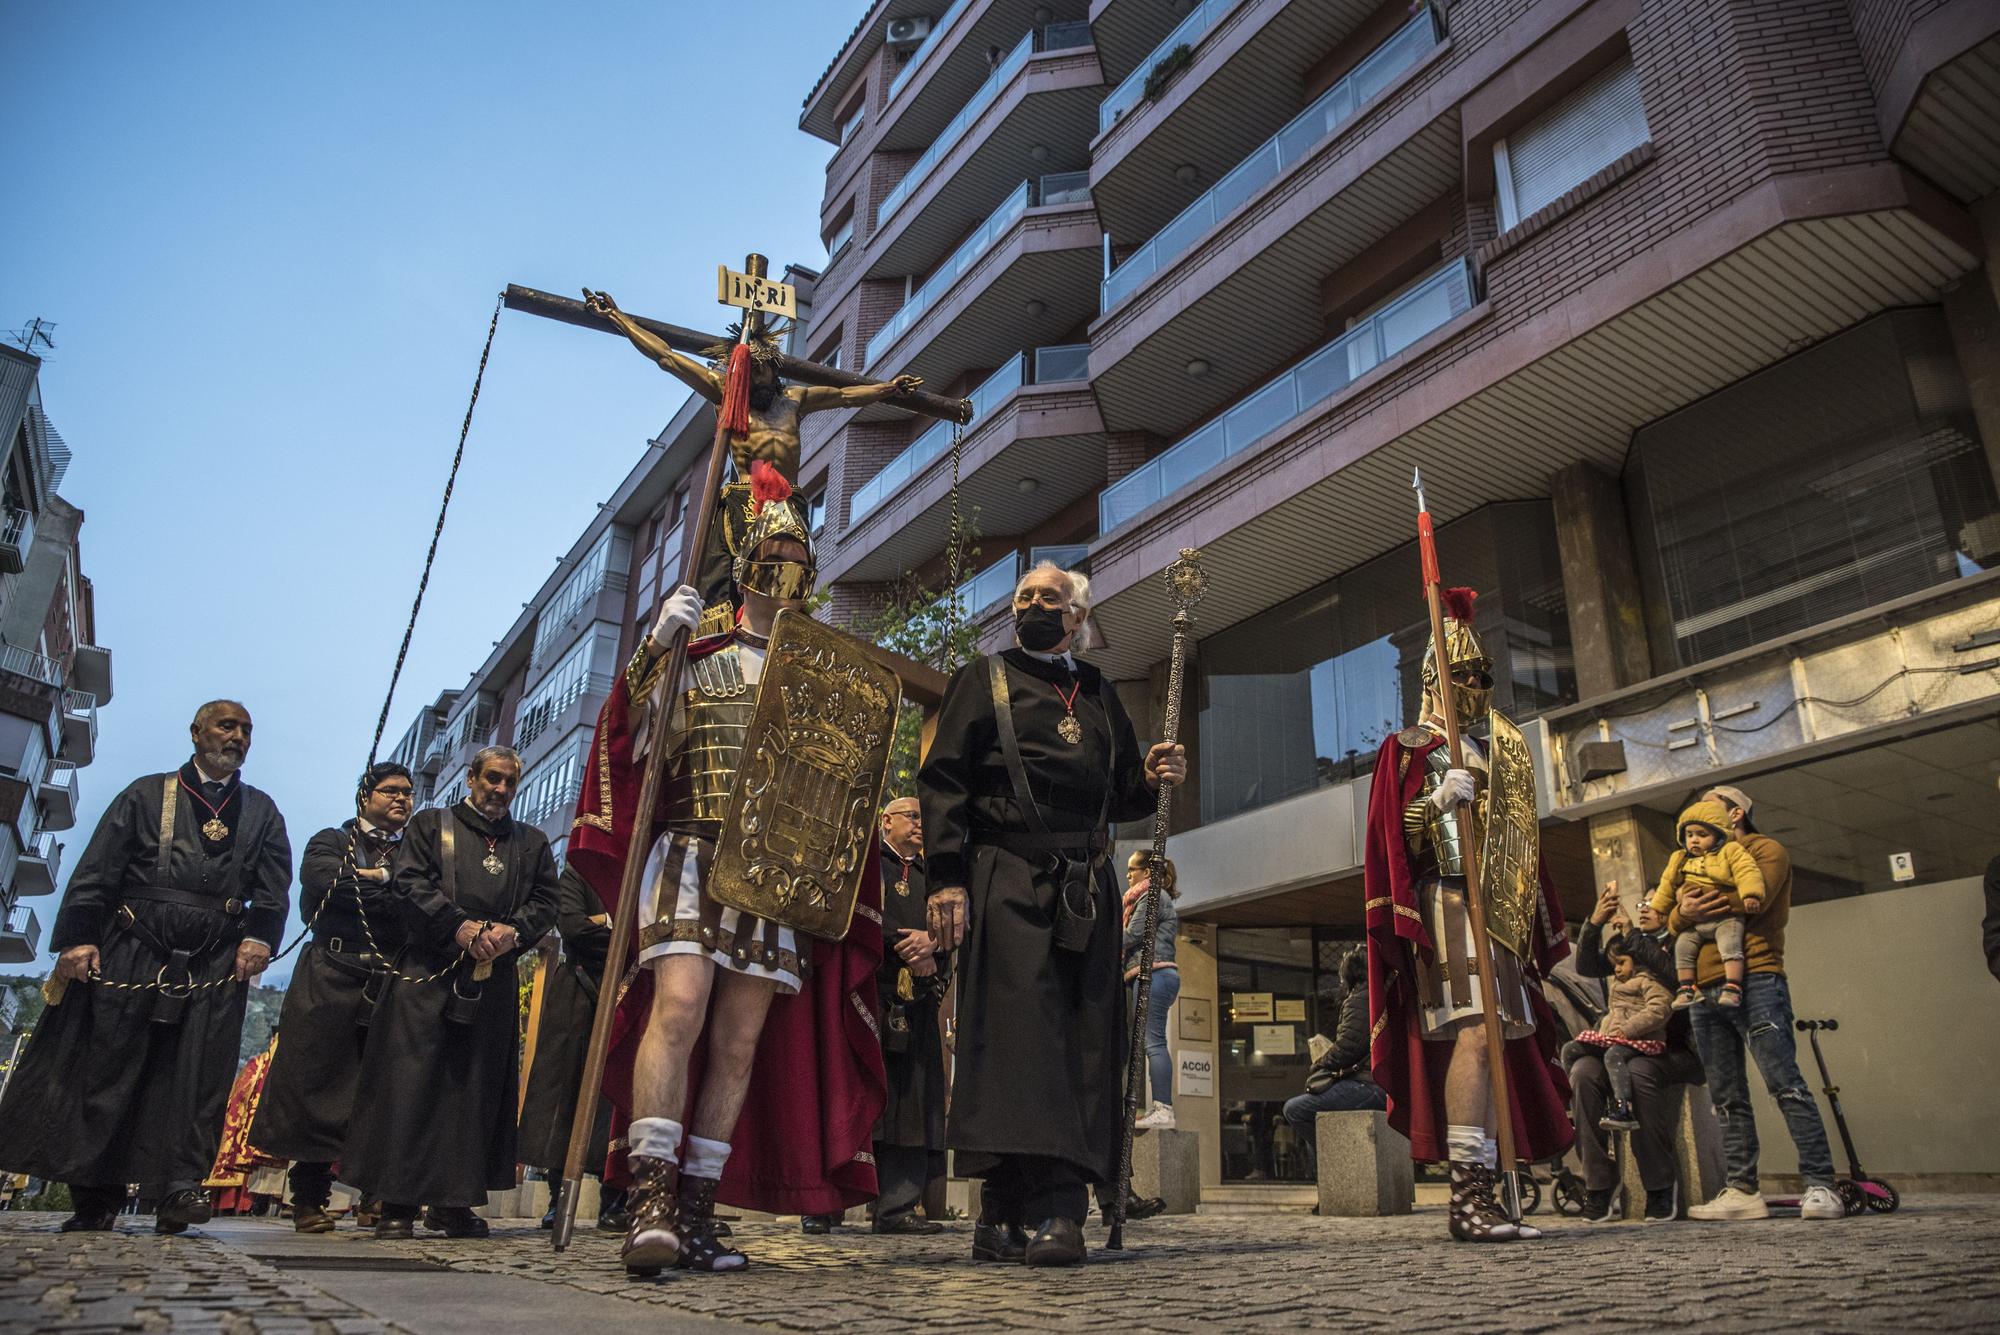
(1064, 36)
(1269, 160)
(1261, 413)
(1064, 188)
(899, 470)
(1128, 496)
(944, 21)
(1427, 306)
(1128, 94)
(990, 585)
(1069, 362)
(1067, 556)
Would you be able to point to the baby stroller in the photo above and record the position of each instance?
(1859, 1192)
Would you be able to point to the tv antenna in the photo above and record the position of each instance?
(34, 333)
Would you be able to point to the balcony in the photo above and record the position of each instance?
(79, 727)
(1430, 305)
(1056, 37)
(90, 670)
(20, 936)
(1328, 112)
(1132, 90)
(16, 537)
(1064, 556)
(58, 796)
(1254, 65)
(38, 867)
(1034, 446)
(1039, 120)
(1027, 275)
(29, 683)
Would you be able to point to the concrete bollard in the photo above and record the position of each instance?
(1167, 1164)
(1364, 1165)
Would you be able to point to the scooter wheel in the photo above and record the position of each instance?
(1884, 1204)
(1569, 1196)
(1852, 1196)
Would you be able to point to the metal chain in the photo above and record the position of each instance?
(954, 560)
(423, 582)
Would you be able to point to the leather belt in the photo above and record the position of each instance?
(161, 894)
(1076, 843)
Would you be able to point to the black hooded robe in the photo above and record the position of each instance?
(106, 1094)
(569, 1003)
(438, 1127)
(1041, 1043)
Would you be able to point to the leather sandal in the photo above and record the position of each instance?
(652, 1238)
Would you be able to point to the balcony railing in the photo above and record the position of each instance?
(1070, 362)
(1065, 556)
(1069, 188)
(1329, 110)
(79, 724)
(990, 585)
(20, 935)
(15, 539)
(26, 663)
(1055, 37)
(61, 774)
(944, 21)
(1429, 305)
(1128, 94)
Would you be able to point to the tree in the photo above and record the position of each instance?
(932, 628)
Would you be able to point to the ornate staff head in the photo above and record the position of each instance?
(1186, 583)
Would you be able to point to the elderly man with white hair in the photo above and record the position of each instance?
(1034, 759)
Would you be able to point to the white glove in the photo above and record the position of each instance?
(681, 608)
(1455, 788)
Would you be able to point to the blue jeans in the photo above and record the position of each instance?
(1303, 1110)
(1159, 1067)
(1763, 1023)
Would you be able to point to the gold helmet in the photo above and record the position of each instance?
(774, 513)
(1471, 670)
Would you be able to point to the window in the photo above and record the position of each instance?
(851, 123)
(551, 787)
(581, 586)
(1584, 133)
(816, 512)
(1303, 695)
(829, 354)
(585, 668)
(842, 234)
(1843, 477)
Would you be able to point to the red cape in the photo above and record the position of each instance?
(803, 1143)
(1411, 1070)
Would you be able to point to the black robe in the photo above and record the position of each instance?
(104, 1094)
(310, 1090)
(1041, 1048)
(569, 1002)
(914, 1114)
(439, 1129)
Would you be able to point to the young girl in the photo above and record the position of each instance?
(1633, 1021)
(1709, 859)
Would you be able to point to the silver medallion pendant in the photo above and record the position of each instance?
(494, 866)
(214, 830)
(1070, 730)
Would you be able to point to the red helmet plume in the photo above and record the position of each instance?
(1458, 603)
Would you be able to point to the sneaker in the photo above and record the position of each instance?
(1821, 1203)
(1685, 998)
(1161, 1118)
(1730, 995)
(1618, 1117)
(1732, 1203)
(1663, 1205)
(1602, 1207)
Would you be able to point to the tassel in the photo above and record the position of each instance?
(736, 392)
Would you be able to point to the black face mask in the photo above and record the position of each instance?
(1039, 628)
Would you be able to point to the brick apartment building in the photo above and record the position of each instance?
(1686, 309)
(53, 674)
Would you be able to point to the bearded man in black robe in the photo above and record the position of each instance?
(913, 977)
(569, 1002)
(357, 929)
(173, 907)
(1034, 758)
(476, 888)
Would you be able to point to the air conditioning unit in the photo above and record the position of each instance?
(909, 31)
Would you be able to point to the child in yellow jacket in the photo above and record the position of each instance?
(1709, 859)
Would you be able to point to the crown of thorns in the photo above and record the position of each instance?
(764, 345)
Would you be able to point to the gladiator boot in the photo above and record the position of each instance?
(1475, 1215)
(702, 1247)
(653, 1238)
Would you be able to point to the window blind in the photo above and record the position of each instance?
(1585, 132)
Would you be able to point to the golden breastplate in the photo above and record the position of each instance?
(716, 708)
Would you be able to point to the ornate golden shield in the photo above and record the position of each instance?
(1511, 845)
(800, 825)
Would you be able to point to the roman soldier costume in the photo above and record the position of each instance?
(1423, 979)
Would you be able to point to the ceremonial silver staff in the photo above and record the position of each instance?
(1185, 585)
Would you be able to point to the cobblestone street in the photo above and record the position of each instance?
(1928, 1268)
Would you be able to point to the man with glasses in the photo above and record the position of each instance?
(911, 983)
(357, 929)
(476, 889)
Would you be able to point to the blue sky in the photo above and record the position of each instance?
(270, 237)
